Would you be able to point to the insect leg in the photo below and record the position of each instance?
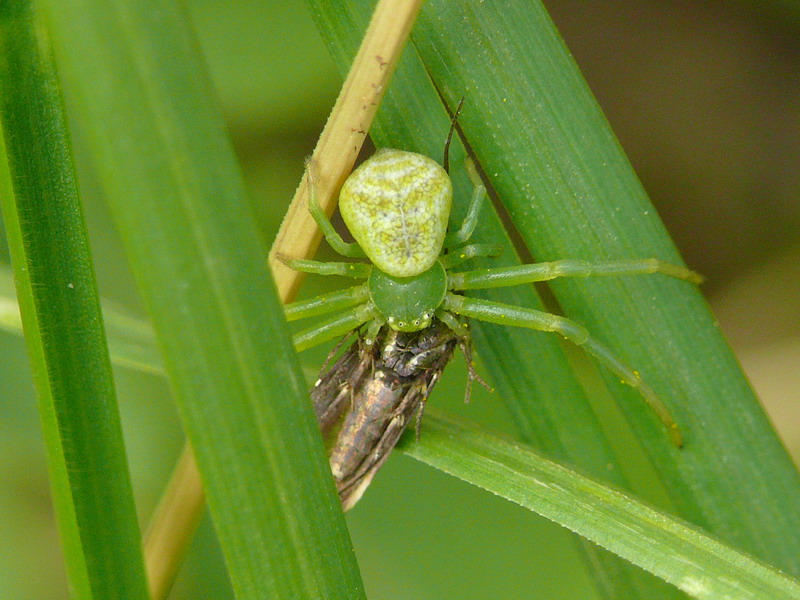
(446, 154)
(461, 329)
(472, 375)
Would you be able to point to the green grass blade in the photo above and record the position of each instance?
(131, 341)
(571, 192)
(174, 188)
(63, 325)
(10, 319)
(680, 553)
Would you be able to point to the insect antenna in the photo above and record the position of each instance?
(472, 375)
(338, 347)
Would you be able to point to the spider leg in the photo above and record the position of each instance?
(373, 329)
(335, 326)
(504, 314)
(353, 270)
(460, 329)
(459, 255)
(326, 303)
(506, 276)
(351, 250)
(455, 238)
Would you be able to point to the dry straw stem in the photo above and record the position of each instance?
(173, 523)
(344, 134)
(178, 512)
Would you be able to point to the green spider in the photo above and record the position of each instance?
(396, 206)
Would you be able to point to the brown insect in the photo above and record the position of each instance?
(368, 398)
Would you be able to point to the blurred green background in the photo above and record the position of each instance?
(704, 98)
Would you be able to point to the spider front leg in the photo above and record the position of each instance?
(353, 270)
(504, 314)
(356, 298)
(351, 250)
(454, 238)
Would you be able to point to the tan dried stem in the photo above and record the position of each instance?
(344, 134)
(176, 517)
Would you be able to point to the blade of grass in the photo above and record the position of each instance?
(680, 553)
(571, 192)
(130, 340)
(368, 78)
(172, 526)
(548, 421)
(175, 191)
(549, 154)
(61, 315)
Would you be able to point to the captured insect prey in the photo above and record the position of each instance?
(372, 392)
(397, 206)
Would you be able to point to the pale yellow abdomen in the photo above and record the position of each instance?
(397, 204)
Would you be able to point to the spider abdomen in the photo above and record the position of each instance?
(396, 205)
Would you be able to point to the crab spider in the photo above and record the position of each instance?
(396, 205)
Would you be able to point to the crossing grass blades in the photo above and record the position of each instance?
(396, 205)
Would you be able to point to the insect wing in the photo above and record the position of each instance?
(382, 407)
(371, 394)
(333, 392)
